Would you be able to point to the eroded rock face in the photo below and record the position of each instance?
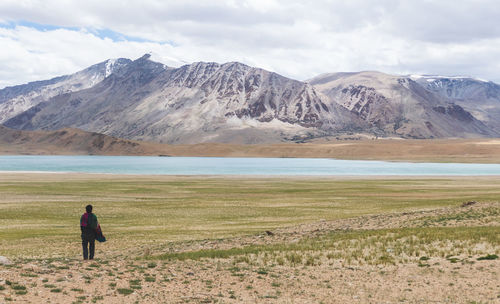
(455, 111)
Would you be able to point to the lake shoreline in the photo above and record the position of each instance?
(206, 166)
(85, 175)
(478, 150)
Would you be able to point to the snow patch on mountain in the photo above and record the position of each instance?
(431, 78)
(23, 97)
(109, 67)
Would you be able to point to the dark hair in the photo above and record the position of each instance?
(88, 208)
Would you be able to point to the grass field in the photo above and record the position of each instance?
(36, 210)
(262, 240)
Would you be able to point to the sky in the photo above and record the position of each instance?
(298, 39)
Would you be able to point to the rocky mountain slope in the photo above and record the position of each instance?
(17, 99)
(480, 98)
(200, 102)
(236, 103)
(400, 106)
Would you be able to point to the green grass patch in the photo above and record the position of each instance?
(18, 287)
(125, 291)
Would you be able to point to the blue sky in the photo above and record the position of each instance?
(100, 33)
(298, 39)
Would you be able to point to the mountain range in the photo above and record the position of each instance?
(234, 103)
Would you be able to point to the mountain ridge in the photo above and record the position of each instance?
(236, 103)
(17, 99)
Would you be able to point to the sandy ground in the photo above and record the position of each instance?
(230, 280)
(214, 281)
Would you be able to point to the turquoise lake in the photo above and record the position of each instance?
(234, 166)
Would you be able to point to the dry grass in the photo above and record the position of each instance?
(202, 240)
(39, 213)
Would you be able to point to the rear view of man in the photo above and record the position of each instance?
(88, 225)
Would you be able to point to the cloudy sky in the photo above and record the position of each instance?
(299, 39)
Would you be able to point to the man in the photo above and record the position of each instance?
(88, 225)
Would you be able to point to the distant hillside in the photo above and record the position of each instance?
(402, 107)
(67, 141)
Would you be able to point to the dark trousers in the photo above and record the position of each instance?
(88, 253)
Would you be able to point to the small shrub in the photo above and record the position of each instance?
(56, 290)
(18, 287)
(294, 258)
(124, 291)
(262, 271)
(242, 259)
(488, 257)
(453, 260)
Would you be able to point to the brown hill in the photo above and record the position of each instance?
(66, 141)
(78, 142)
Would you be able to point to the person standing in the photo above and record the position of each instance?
(88, 225)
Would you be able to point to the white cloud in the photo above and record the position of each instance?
(299, 39)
